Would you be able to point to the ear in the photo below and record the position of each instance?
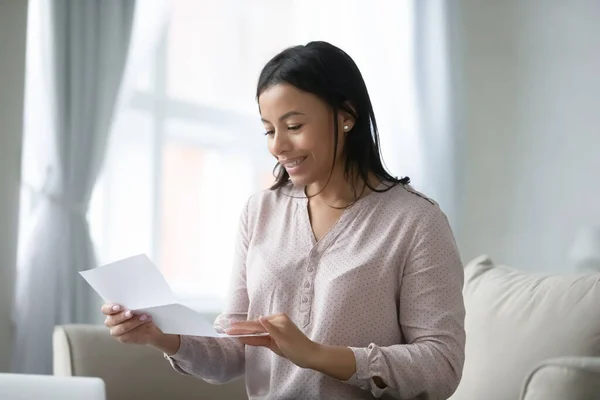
(346, 120)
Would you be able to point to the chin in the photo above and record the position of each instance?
(301, 180)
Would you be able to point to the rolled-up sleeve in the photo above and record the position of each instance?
(431, 315)
(213, 360)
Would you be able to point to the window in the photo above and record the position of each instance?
(187, 150)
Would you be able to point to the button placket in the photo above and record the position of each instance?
(306, 293)
(307, 289)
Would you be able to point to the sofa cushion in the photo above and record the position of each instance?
(516, 319)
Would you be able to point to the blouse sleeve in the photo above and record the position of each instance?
(220, 360)
(431, 318)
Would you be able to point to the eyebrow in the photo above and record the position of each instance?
(285, 116)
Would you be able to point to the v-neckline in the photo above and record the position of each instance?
(313, 238)
(336, 227)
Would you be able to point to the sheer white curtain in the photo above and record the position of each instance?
(441, 143)
(188, 147)
(76, 56)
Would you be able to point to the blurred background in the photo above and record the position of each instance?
(132, 127)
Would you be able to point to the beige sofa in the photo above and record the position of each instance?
(529, 336)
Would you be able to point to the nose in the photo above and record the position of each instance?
(280, 143)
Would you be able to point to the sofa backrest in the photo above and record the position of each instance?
(516, 320)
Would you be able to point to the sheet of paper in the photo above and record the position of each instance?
(137, 284)
(134, 282)
(181, 320)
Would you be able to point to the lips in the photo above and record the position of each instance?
(292, 162)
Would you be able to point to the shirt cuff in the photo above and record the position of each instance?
(363, 377)
(182, 354)
(182, 350)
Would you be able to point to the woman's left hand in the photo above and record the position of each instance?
(285, 338)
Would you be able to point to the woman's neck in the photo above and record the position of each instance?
(338, 191)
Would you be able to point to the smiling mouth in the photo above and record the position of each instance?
(294, 163)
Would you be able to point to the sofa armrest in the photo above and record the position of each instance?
(129, 371)
(565, 378)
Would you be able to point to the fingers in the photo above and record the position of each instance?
(128, 325)
(262, 341)
(138, 335)
(244, 328)
(221, 324)
(244, 331)
(256, 326)
(118, 318)
(270, 328)
(110, 309)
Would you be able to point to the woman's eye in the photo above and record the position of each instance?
(269, 133)
(294, 127)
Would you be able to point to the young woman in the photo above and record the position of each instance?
(355, 277)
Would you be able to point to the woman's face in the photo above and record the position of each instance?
(299, 129)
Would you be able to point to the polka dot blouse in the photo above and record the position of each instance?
(385, 281)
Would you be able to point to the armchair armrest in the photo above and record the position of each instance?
(565, 378)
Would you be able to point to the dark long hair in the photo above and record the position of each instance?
(328, 72)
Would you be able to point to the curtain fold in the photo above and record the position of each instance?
(438, 107)
(89, 43)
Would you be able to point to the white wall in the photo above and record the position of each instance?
(532, 94)
(13, 22)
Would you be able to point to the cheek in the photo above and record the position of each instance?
(319, 144)
(340, 146)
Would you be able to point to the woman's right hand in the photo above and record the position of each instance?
(128, 327)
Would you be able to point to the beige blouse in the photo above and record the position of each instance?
(385, 281)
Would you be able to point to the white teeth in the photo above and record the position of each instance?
(293, 164)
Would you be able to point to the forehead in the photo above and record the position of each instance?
(281, 98)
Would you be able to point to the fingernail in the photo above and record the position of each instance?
(143, 317)
(128, 314)
(116, 307)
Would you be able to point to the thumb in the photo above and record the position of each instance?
(273, 331)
